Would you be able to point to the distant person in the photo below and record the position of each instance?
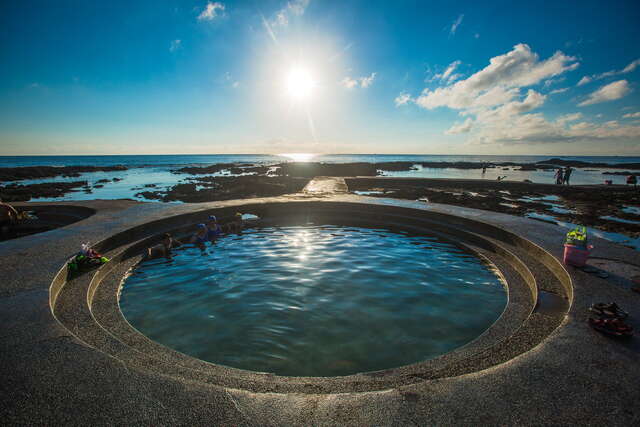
(559, 176)
(501, 178)
(164, 247)
(214, 230)
(200, 237)
(8, 217)
(632, 180)
(484, 169)
(567, 174)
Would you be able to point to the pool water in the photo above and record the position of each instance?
(315, 300)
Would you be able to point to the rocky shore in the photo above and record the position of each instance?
(604, 207)
(38, 172)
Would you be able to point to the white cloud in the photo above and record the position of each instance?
(402, 99)
(282, 17)
(499, 103)
(629, 68)
(632, 66)
(365, 82)
(210, 11)
(349, 83)
(584, 80)
(455, 25)
(610, 92)
(561, 90)
(457, 128)
(448, 74)
(354, 82)
(498, 82)
(175, 45)
(569, 118)
(632, 115)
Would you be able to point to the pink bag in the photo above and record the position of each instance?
(576, 256)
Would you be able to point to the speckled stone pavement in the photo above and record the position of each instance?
(50, 375)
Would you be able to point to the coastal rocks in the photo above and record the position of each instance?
(310, 169)
(226, 188)
(36, 172)
(580, 164)
(24, 193)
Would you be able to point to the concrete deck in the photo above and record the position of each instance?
(52, 374)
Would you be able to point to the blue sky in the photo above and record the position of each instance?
(417, 77)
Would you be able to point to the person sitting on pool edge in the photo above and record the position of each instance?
(8, 217)
(213, 228)
(200, 237)
(164, 247)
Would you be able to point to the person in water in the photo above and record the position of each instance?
(164, 247)
(567, 175)
(8, 217)
(236, 225)
(214, 230)
(200, 237)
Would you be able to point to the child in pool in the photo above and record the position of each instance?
(164, 247)
(201, 236)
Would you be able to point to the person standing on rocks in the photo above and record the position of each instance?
(559, 176)
(567, 174)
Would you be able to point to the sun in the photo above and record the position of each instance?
(300, 83)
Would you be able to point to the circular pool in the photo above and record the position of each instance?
(315, 300)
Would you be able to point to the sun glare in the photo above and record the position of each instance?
(300, 83)
(299, 157)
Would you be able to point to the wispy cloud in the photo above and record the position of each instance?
(632, 115)
(281, 17)
(610, 92)
(175, 45)
(561, 90)
(402, 99)
(448, 74)
(211, 11)
(455, 25)
(629, 68)
(457, 128)
(354, 82)
(228, 78)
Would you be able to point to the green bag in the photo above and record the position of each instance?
(577, 236)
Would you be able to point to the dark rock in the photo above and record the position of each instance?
(35, 172)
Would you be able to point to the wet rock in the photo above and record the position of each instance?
(24, 193)
(226, 188)
(581, 164)
(116, 179)
(36, 172)
(310, 169)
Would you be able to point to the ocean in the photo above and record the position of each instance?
(156, 169)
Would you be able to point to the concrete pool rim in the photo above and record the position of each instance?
(505, 249)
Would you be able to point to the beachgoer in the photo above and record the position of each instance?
(164, 247)
(236, 225)
(567, 175)
(500, 178)
(213, 228)
(200, 236)
(484, 169)
(559, 176)
(631, 179)
(8, 217)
